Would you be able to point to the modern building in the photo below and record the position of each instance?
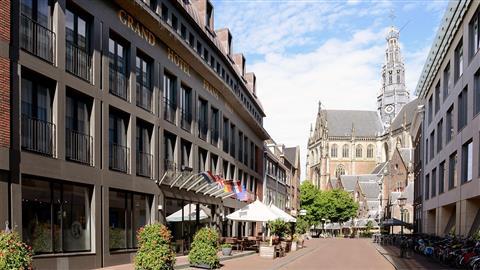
(448, 135)
(116, 114)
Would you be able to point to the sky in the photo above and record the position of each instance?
(308, 51)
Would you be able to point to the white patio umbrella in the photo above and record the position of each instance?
(254, 212)
(283, 215)
(189, 213)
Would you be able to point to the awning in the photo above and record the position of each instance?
(394, 222)
(189, 213)
(362, 223)
(254, 212)
(282, 214)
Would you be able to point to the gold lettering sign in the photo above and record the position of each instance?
(136, 27)
(210, 88)
(178, 61)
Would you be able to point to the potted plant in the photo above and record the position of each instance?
(14, 254)
(154, 249)
(226, 249)
(204, 249)
(294, 242)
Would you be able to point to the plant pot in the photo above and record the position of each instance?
(227, 251)
(294, 246)
(267, 251)
(201, 266)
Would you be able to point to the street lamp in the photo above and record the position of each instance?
(401, 203)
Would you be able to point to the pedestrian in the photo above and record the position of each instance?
(403, 247)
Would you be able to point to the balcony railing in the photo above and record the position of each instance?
(169, 111)
(202, 129)
(169, 165)
(144, 97)
(37, 39)
(186, 120)
(78, 61)
(119, 155)
(38, 135)
(144, 164)
(79, 147)
(118, 84)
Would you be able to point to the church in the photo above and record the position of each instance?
(373, 146)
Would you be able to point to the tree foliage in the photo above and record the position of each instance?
(334, 205)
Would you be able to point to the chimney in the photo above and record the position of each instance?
(252, 82)
(205, 12)
(239, 60)
(225, 37)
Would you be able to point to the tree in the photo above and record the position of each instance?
(309, 201)
(339, 205)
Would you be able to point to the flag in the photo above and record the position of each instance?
(228, 185)
(208, 177)
(237, 187)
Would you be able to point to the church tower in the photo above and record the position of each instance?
(393, 94)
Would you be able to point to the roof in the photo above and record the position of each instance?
(371, 190)
(291, 155)
(364, 123)
(334, 183)
(406, 154)
(373, 205)
(408, 192)
(348, 182)
(379, 168)
(405, 114)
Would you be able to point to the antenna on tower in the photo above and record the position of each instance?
(404, 25)
(392, 16)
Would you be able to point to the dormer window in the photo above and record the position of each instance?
(209, 15)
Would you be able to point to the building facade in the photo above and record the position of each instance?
(122, 113)
(448, 136)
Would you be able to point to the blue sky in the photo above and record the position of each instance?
(303, 52)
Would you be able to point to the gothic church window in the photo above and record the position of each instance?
(334, 151)
(390, 77)
(370, 151)
(345, 151)
(398, 76)
(340, 170)
(359, 151)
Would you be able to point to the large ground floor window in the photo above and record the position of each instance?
(128, 212)
(56, 216)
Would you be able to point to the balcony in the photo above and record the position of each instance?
(37, 39)
(144, 164)
(118, 158)
(38, 135)
(79, 147)
(186, 120)
(169, 111)
(78, 62)
(144, 97)
(202, 129)
(118, 84)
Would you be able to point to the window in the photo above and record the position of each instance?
(44, 228)
(245, 150)
(427, 145)
(345, 151)
(209, 15)
(458, 61)
(240, 146)
(78, 142)
(164, 12)
(174, 22)
(169, 143)
(199, 47)
(467, 161)
(434, 183)
(183, 31)
(205, 54)
(449, 129)
(334, 151)
(169, 98)
(128, 212)
(77, 44)
(427, 187)
(186, 153)
(37, 128)
(476, 94)
(430, 109)
(462, 109)
(452, 171)
(232, 140)
(202, 119)
(215, 126)
(441, 178)
(144, 149)
(446, 81)
(432, 145)
(339, 171)
(202, 160)
(226, 137)
(359, 151)
(370, 151)
(186, 108)
(474, 33)
(144, 82)
(437, 97)
(439, 135)
(117, 132)
(191, 39)
(118, 71)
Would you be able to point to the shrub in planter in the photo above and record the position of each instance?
(154, 252)
(278, 227)
(204, 248)
(14, 254)
(226, 249)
